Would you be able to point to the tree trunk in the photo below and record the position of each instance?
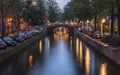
(112, 23)
(95, 23)
(18, 25)
(119, 21)
(118, 6)
(3, 26)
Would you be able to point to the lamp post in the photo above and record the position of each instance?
(102, 22)
(29, 24)
(77, 21)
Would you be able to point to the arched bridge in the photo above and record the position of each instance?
(51, 28)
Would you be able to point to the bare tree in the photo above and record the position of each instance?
(4, 8)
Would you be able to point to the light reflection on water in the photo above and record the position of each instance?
(87, 61)
(59, 55)
(40, 46)
(103, 69)
(30, 60)
(59, 62)
(81, 55)
(77, 48)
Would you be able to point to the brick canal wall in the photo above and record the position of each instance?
(20, 47)
(110, 52)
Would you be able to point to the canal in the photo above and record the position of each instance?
(59, 55)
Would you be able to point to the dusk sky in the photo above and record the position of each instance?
(62, 3)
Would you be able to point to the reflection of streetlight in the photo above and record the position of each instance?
(102, 22)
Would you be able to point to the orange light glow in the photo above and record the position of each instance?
(81, 54)
(87, 61)
(103, 69)
(30, 59)
(40, 46)
(21, 20)
(77, 49)
(9, 21)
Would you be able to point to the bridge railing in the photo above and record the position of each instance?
(60, 25)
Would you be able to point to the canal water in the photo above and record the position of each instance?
(59, 55)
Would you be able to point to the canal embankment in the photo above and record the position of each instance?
(109, 51)
(7, 53)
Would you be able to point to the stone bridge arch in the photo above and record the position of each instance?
(51, 28)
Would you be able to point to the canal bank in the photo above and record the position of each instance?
(110, 52)
(6, 54)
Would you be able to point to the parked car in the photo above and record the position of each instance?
(29, 34)
(97, 35)
(106, 37)
(23, 35)
(9, 41)
(2, 44)
(34, 32)
(106, 34)
(79, 29)
(41, 29)
(17, 38)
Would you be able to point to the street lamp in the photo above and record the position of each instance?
(9, 22)
(102, 22)
(77, 21)
(21, 20)
(34, 3)
(87, 24)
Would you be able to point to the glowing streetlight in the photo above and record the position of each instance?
(34, 3)
(87, 23)
(77, 21)
(102, 22)
(21, 20)
(10, 20)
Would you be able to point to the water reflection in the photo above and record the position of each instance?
(58, 61)
(59, 55)
(30, 60)
(47, 45)
(40, 46)
(61, 37)
(103, 69)
(71, 43)
(77, 49)
(92, 62)
(87, 61)
(81, 55)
